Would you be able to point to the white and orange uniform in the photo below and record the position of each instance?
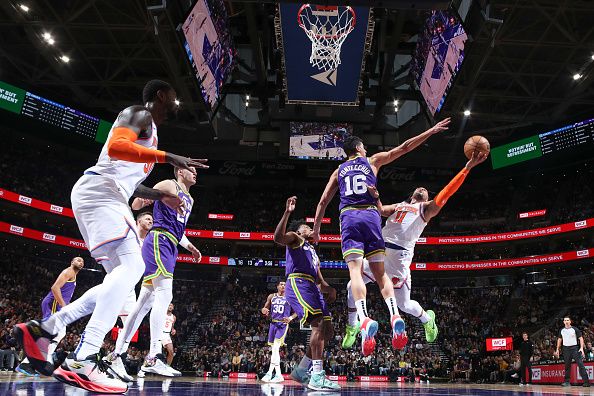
(100, 197)
(401, 233)
(166, 339)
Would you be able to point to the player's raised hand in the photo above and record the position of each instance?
(291, 204)
(315, 237)
(265, 311)
(195, 252)
(174, 202)
(477, 158)
(145, 202)
(185, 162)
(441, 126)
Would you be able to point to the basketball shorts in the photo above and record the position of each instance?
(278, 331)
(361, 234)
(159, 252)
(305, 298)
(49, 306)
(166, 339)
(102, 213)
(397, 267)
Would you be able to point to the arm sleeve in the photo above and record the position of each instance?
(449, 190)
(184, 242)
(121, 146)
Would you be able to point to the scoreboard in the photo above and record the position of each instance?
(573, 136)
(258, 262)
(33, 106)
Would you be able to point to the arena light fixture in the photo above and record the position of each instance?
(65, 58)
(593, 57)
(48, 38)
(577, 76)
(466, 113)
(24, 7)
(395, 102)
(177, 102)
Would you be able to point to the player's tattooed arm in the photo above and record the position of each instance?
(281, 236)
(266, 308)
(385, 157)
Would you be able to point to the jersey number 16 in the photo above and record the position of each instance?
(356, 185)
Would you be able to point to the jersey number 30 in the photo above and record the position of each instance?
(278, 309)
(356, 185)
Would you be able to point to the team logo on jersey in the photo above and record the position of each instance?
(49, 237)
(25, 200)
(16, 229)
(56, 208)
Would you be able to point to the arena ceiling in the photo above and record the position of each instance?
(518, 73)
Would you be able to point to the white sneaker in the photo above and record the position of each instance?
(156, 366)
(266, 378)
(140, 373)
(117, 366)
(176, 373)
(277, 378)
(91, 374)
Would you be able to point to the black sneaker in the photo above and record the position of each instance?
(35, 341)
(566, 384)
(586, 385)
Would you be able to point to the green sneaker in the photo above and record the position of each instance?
(319, 381)
(351, 335)
(431, 330)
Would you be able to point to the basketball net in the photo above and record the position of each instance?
(327, 27)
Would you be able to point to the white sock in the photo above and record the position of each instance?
(392, 306)
(424, 317)
(305, 363)
(72, 312)
(51, 348)
(134, 319)
(163, 295)
(361, 306)
(317, 366)
(111, 297)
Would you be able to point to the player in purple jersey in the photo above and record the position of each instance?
(159, 252)
(59, 296)
(304, 294)
(360, 228)
(279, 310)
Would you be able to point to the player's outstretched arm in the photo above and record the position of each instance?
(325, 199)
(281, 236)
(385, 157)
(433, 207)
(266, 308)
(121, 145)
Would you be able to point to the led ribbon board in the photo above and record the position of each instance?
(324, 49)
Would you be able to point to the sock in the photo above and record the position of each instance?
(275, 357)
(111, 296)
(79, 308)
(317, 366)
(51, 348)
(163, 295)
(392, 306)
(305, 363)
(352, 316)
(424, 317)
(361, 306)
(134, 319)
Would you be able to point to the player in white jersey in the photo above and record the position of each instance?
(167, 333)
(404, 225)
(100, 204)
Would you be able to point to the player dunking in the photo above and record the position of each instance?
(100, 205)
(279, 310)
(159, 252)
(404, 226)
(304, 296)
(360, 225)
(59, 296)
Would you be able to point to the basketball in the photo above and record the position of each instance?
(476, 143)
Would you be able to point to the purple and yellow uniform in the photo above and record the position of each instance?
(279, 309)
(159, 249)
(360, 221)
(50, 306)
(301, 290)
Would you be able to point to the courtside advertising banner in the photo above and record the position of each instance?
(324, 49)
(555, 373)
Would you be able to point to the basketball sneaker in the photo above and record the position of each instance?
(431, 330)
(156, 366)
(368, 346)
(399, 337)
(350, 336)
(300, 375)
(141, 373)
(267, 377)
(117, 367)
(368, 332)
(277, 378)
(319, 382)
(35, 341)
(92, 374)
(26, 369)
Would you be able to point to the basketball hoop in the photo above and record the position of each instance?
(327, 27)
